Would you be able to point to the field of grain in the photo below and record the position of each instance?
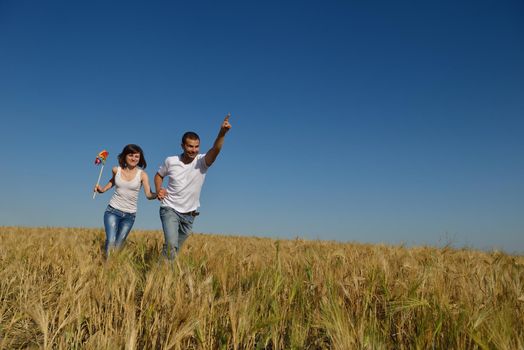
(227, 292)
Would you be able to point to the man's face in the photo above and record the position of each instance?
(191, 148)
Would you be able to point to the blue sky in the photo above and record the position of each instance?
(372, 121)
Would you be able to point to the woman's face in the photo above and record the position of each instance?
(132, 159)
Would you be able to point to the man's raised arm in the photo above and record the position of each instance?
(212, 154)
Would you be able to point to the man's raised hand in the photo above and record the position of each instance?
(225, 124)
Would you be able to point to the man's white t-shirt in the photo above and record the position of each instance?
(184, 182)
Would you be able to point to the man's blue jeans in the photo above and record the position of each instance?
(177, 227)
(117, 224)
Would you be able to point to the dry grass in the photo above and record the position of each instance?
(253, 293)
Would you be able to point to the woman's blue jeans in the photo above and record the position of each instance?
(177, 227)
(117, 224)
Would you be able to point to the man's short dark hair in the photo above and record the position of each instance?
(190, 135)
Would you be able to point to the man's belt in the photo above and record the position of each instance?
(192, 213)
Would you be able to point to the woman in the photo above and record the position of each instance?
(121, 211)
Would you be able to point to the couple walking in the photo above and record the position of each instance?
(185, 175)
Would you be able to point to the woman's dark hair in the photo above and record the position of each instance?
(130, 149)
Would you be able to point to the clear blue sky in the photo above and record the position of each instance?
(368, 121)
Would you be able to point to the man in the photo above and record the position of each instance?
(185, 174)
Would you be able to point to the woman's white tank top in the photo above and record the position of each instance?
(125, 197)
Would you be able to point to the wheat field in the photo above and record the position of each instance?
(226, 292)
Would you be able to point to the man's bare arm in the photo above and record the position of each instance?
(212, 154)
(160, 192)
